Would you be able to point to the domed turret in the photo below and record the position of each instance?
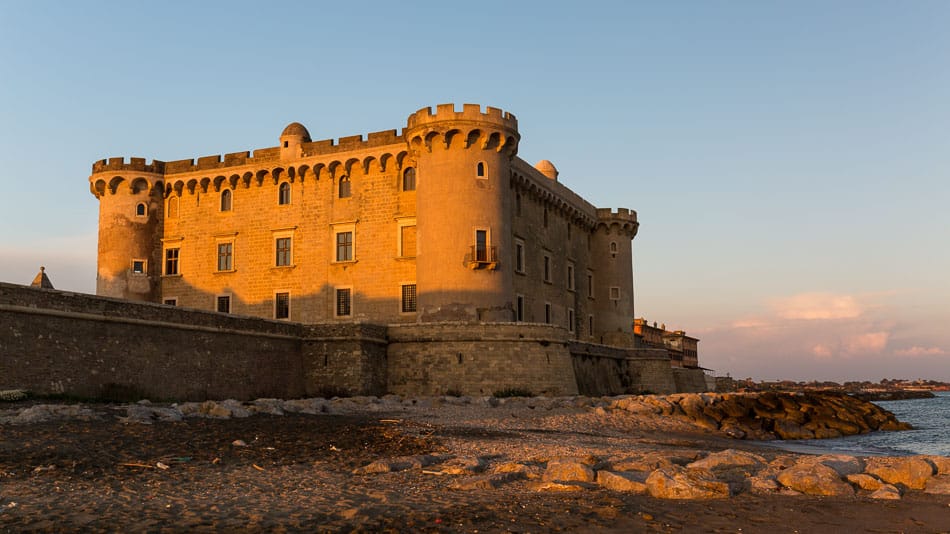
(547, 168)
(291, 138)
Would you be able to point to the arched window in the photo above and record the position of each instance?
(613, 248)
(344, 187)
(409, 179)
(173, 208)
(480, 170)
(140, 209)
(226, 200)
(283, 194)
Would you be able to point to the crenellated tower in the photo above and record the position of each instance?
(131, 217)
(612, 253)
(462, 203)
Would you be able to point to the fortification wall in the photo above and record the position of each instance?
(690, 380)
(479, 359)
(55, 342)
(606, 370)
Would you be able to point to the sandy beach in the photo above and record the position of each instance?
(101, 471)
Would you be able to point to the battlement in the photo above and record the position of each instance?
(621, 214)
(134, 164)
(470, 113)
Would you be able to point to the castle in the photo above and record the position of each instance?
(439, 222)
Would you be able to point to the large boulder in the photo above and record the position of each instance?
(817, 479)
(727, 460)
(629, 482)
(681, 483)
(911, 471)
(568, 470)
(938, 485)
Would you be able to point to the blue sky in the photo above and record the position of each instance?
(789, 161)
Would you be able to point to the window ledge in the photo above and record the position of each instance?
(344, 262)
(405, 258)
(171, 275)
(222, 272)
(284, 266)
(522, 273)
(489, 265)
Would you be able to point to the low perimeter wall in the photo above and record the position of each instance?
(55, 342)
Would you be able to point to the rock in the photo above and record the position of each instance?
(941, 464)
(568, 470)
(629, 482)
(464, 466)
(146, 414)
(557, 486)
(268, 406)
(484, 482)
(648, 462)
(887, 491)
(764, 484)
(843, 464)
(865, 481)
(681, 483)
(938, 485)
(239, 443)
(728, 459)
(817, 479)
(47, 412)
(399, 464)
(911, 471)
(528, 471)
(788, 429)
(307, 406)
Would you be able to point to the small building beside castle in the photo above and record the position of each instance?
(683, 349)
(441, 221)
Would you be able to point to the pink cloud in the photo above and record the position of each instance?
(867, 343)
(810, 306)
(821, 351)
(920, 351)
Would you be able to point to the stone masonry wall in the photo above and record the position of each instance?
(479, 359)
(605, 370)
(54, 342)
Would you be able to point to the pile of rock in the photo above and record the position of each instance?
(713, 476)
(765, 416)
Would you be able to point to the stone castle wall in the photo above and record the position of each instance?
(54, 342)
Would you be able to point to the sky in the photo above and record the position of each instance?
(789, 161)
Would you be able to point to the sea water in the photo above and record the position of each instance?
(931, 434)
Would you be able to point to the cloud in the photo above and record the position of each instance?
(821, 351)
(866, 343)
(812, 306)
(920, 351)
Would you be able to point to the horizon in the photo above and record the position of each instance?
(788, 163)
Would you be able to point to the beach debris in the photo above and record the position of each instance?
(161, 465)
(239, 443)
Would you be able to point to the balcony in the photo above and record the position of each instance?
(481, 257)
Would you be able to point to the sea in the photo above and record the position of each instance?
(931, 434)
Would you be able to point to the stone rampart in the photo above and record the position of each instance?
(690, 380)
(606, 370)
(479, 359)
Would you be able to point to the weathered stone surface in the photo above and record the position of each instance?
(557, 486)
(647, 462)
(529, 471)
(911, 471)
(485, 482)
(817, 479)
(865, 481)
(938, 485)
(145, 414)
(843, 464)
(568, 470)
(788, 429)
(728, 459)
(764, 484)
(681, 483)
(631, 482)
(399, 464)
(887, 492)
(468, 465)
(48, 412)
(941, 464)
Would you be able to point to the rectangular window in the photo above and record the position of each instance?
(171, 261)
(284, 245)
(519, 257)
(570, 320)
(226, 256)
(547, 313)
(590, 325)
(570, 277)
(545, 217)
(481, 245)
(281, 305)
(344, 246)
(343, 302)
(138, 266)
(547, 268)
(519, 312)
(409, 298)
(614, 293)
(407, 241)
(590, 285)
(224, 304)
(170, 302)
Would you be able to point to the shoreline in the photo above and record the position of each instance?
(438, 465)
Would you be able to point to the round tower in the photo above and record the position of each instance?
(612, 255)
(131, 216)
(462, 162)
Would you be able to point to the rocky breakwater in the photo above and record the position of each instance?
(767, 416)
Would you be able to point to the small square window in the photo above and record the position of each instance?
(170, 302)
(282, 306)
(138, 266)
(614, 293)
(224, 304)
(141, 210)
(409, 298)
(344, 302)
